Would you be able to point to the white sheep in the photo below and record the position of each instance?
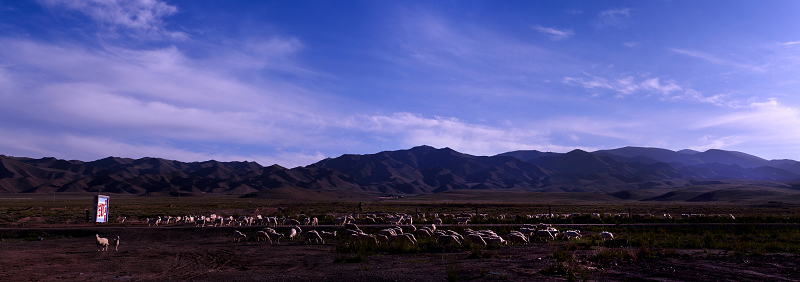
(314, 221)
(115, 243)
(102, 243)
(293, 232)
(605, 235)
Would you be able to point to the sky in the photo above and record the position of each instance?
(294, 82)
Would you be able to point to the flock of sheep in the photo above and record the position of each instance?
(404, 231)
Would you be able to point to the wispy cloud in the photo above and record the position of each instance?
(775, 127)
(720, 61)
(554, 34)
(790, 43)
(630, 44)
(664, 90)
(616, 18)
(144, 18)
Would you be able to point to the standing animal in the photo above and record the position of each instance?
(115, 242)
(102, 243)
(605, 235)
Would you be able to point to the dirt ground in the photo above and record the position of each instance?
(209, 254)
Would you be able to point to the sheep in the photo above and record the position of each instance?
(462, 220)
(605, 235)
(121, 219)
(238, 236)
(572, 234)
(445, 240)
(496, 240)
(437, 221)
(400, 239)
(476, 239)
(518, 238)
(388, 232)
(307, 221)
(153, 221)
(313, 235)
(545, 234)
(364, 238)
(327, 235)
(115, 243)
(351, 226)
(274, 237)
(314, 221)
(293, 232)
(262, 234)
(102, 243)
(423, 232)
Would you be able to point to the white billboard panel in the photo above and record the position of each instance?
(101, 208)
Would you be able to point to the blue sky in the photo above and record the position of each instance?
(293, 82)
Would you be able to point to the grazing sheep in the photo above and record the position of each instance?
(314, 221)
(121, 219)
(572, 234)
(437, 221)
(328, 235)
(423, 232)
(476, 239)
(313, 235)
(445, 240)
(496, 240)
(274, 237)
(462, 220)
(605, 235)
(351, 226)
(115, 243)
(545, 234)
(518, 238)
(388, 232)
(238, 236)
(262, 234)
(102, 243)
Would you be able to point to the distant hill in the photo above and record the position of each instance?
(628, 173)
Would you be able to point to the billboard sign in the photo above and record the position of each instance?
(101, 208)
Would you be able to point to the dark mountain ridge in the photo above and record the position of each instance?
(419, 170)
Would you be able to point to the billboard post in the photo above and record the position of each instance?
(101, 208)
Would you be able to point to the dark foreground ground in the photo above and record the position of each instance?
(209, 254)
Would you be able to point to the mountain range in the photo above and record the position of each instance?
(628, 172)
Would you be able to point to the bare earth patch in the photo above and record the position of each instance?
(209, 254)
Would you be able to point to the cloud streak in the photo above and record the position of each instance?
(719, 61)
(144, 18)
(616, 18)
(554, 34)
